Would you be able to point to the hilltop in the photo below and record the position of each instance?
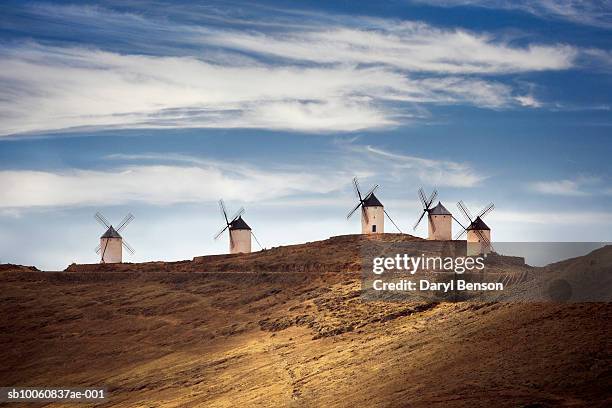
(335, 254)
(287, 327)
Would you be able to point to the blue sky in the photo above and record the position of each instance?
(162, 108)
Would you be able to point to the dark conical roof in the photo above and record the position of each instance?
(372, 201)
(239, 224)
(439, 210)
(478, 224)
(111, 233)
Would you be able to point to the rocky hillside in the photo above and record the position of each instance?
(287, 327)
(336, 254)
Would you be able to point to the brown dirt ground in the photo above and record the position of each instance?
(286, 327)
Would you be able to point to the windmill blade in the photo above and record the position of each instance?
(223, 211)
(102, 220)
(128, 218)
(482, 237)
(353, 210)
(431, 223)
(458, 222)
(460, 234)
(365, 197)
(465, 211)
(238, 213)
(127, 246)
(485, 240)
(486, 210)
(416, 224)
(356, 188)
(365, 214)
(98, 249)
(104, 251)
(433, 196)
(256, 240)
(392, 222)
(422, 197)
(218, 234)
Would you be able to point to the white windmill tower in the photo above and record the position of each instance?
(372, 211)
(440, 220)
(239, 231)
(111, 242)
(478, 233)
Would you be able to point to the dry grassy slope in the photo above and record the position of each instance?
(15, 268)
(336, 254)
(292, 339)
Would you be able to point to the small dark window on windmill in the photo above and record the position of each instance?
(373, 228)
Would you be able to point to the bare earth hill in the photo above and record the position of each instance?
(287, 327)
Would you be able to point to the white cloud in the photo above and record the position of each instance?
(157, 179)
(528, 101)
(312, 73)
(558, 187)
(49, 88)
(568, 187)
(594, 13)
(411, 46)
(159, 184)
(429, 171)
(596, 59)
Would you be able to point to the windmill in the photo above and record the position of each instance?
(239, 231)
(372, 211)
(439, 219)
(478, 233)
(111, 243)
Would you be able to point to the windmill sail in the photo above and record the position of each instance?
(426, 202)
(112, 250)
(476, 225)
(235, 224)
(363, 200)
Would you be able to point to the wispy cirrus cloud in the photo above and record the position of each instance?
(434, 172)
(166, 179)
(528, 100)
(595, 13)
(319, 38)
(310, 77)
(407, 45)
(57, 88)
(579, 186)
(351, 159)
(50, 88)
(159, 184)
